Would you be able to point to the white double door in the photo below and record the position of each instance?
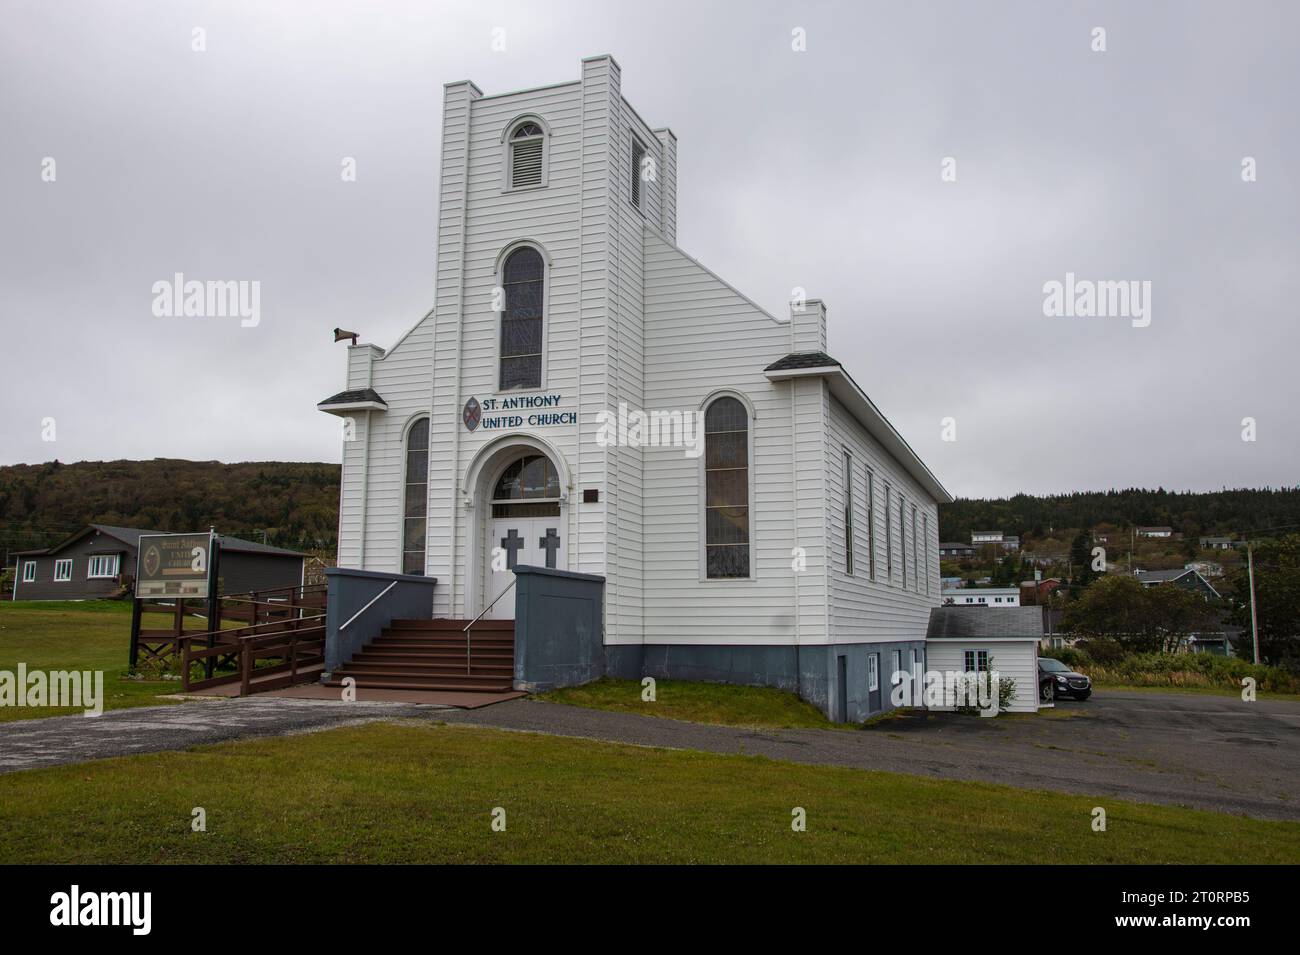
(534, 541)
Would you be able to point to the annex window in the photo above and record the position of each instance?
(102, 565)
(638, 161)
(726, 489)
(63, 569)
(527, 146)
(848, 513)
(873, 672)
(523, 281)
(29, 572)
(977, 661)
(416, 508)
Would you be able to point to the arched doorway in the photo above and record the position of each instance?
(524, 525)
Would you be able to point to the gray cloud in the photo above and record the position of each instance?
(816, 169)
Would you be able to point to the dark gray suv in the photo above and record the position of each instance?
(1056, 679)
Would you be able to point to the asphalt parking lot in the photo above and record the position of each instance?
(1204, 752)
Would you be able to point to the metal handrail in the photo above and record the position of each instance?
(480, 617)
(373, 599)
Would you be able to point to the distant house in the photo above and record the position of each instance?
(1217, 543)
(981, 596)
(1184, 577)
(954, 549)
(1154, 531)
(99, 561)
(1036, 591)
(1005, 541)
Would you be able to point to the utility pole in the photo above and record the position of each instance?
(1250, 575)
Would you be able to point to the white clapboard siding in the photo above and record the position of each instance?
(879, 610)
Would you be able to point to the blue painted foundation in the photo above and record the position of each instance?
(811, 672)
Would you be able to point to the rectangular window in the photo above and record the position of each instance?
(889, 536)
(102, 565)
(848, 513)
(638, 159)
(902, 535)
(29, 572)
(977, 661)
(925, 532)
(873, 671)
(871, 524)
(916, 565)
(63, 570)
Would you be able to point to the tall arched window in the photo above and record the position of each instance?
(416, 507)
(527, 143)
(523, 279)
(726, 489)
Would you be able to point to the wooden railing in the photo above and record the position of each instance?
(297, 643)
(252, 608)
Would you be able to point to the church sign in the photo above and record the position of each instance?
(173, 565)
(498, 414)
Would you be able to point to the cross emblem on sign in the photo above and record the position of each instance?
(551, 544)
(511, 544)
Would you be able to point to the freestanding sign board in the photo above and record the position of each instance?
(173, 565)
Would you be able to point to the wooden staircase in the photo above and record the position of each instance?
(431, 655)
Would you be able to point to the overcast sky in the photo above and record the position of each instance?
(819, 169)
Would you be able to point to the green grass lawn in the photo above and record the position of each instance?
(699, 703)
(74, 635)
(420, 792)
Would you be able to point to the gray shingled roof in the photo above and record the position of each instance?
(949, 623)
(803, 359)
(1162, 575)
(352, 397)
(131, 536)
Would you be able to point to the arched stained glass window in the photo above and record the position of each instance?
(524, 282)
(726, 489)
(416, 507)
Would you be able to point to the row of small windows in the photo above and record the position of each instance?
(98, 566)
(920, 536)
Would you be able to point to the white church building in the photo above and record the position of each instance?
(780, 532)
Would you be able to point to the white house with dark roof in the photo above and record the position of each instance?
(783, 534)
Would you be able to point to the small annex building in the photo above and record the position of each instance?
(977, 639)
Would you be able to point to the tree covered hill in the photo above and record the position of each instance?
(286, 504)
(293, 504)
(1232, 512)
